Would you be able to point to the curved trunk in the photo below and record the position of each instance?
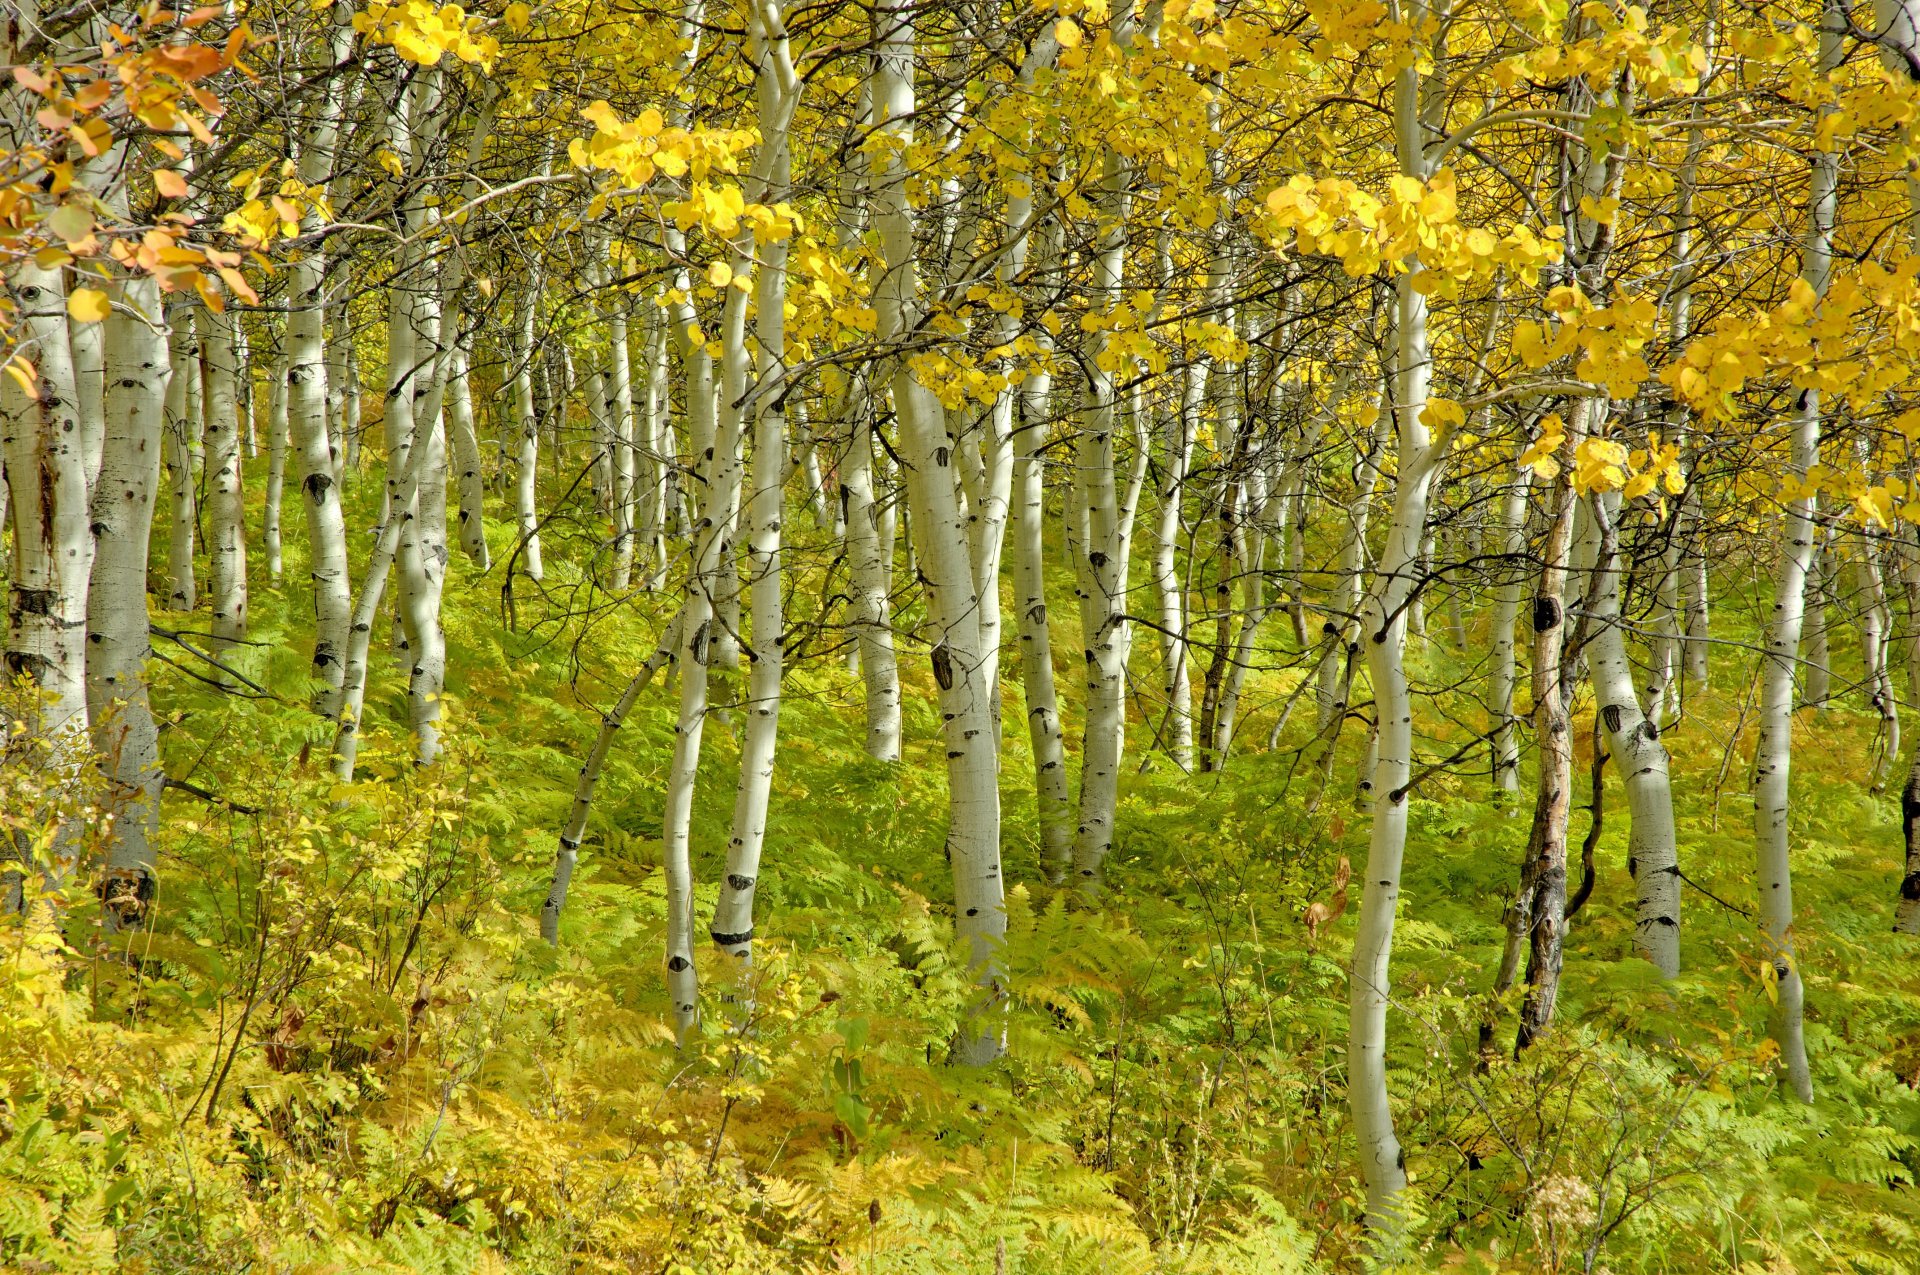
(1640, 759)
(568, 853)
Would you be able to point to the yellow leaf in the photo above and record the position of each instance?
(719, 274)
(1067, 33)
(1600, 210)
(87, 305)
(22, 371)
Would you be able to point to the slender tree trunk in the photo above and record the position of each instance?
(276, 466)
(1773, 754)
(1109, 632)
(1044, 729)
(183, 425)
(465, 442)
(779, 90)
(307, 397)
(526, 482)
(1640, 759)
(1502, 678)
(226, 504)
(1816, 684)
(610, 723)
(1876, 622)
(942, 544)
(124, 732)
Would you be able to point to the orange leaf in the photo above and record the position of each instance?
(170, 183)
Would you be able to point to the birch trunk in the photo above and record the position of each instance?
(1502, 679)
(1876, 623)
(226, 503)
(1384, 629)
(276, 467)
(465, 442)
(1639, 758)
(526, 477)
(942, 544)
(779, 91)
(124, 732)
(307, 395)
(46, 465)
(1773, 754)
(1109, 632)
(568, 853)
(183, 424)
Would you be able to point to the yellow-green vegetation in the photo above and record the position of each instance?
(342, 1046)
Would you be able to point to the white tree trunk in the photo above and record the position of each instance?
(124, 733)
(46, 465)
(1773, 754)
(226, 497)
(568, 853)
(307, 397)
(779, 90)
(1639, 758)
(276, 465)
(1384, 630)
(942, 545)
(465, 442)
(183, 424)
(526, 472)
(1109, 632)
(1044, 729)
(1501, 678)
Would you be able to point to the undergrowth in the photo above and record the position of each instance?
(342, 1047)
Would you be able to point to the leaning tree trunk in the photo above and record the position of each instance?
(568, 853)
(1639, 757)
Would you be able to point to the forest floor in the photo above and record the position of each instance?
(343, 1046)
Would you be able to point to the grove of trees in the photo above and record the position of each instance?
(1208, 635)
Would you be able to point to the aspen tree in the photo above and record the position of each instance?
(270, 530)
(125, 735)
(1639, 754)
(1773, 754)
(778, 94)
(307, 384)
(226, 504)
(568, 853)
(183, 426)
(941, 541)
(53, 547)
